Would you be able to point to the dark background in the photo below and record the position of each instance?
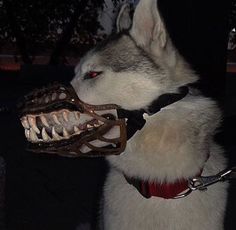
(45, 192)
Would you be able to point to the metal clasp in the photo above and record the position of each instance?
(201, 183)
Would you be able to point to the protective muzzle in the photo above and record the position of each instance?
(56, 121)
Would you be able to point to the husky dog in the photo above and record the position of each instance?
(136, 69)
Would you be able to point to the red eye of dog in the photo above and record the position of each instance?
(92, 74)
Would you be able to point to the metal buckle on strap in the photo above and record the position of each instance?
(203, 182)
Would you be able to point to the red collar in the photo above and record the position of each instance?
(164, 190)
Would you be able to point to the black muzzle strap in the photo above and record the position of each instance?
(135, 120)
(167, 99)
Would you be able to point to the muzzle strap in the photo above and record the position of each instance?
(135, 120)
(167, 99)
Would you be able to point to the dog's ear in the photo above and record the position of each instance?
(123, 21)
(148, 28)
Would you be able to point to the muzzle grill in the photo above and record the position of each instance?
(56, 121)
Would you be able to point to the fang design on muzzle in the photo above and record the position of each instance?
(57, 121)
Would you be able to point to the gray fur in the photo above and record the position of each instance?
(122, 48)
(123, 21)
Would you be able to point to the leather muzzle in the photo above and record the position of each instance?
(56, 121)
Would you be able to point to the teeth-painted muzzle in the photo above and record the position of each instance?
(56, 121)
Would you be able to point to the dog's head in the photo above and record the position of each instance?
(128, 71)
(134, 66)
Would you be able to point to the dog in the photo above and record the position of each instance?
(170, 132)
(136, 67)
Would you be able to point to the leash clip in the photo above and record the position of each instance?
(201, 183)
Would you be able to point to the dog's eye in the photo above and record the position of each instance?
(92, 74)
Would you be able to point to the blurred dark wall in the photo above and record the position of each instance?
(199, 30)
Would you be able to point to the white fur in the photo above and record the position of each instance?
(174, 142)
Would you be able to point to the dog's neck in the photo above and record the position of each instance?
(136, 120)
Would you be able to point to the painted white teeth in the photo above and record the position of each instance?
(33, 136)
(44, 121)
(65, 116)
(100, 122)
(25, 123)
(55, 134)
(65, 133)
(55, 118)
(96, 125)
(32, 122)
(47, 99)
(89, 126)
(45, 135)
(27, 133)
(54, 96)
(76, 114)
(76, 130)
(62, 96)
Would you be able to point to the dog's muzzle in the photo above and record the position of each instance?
(56, 121)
